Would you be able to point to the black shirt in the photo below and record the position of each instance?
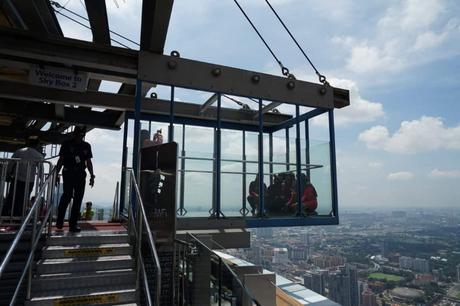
(75, 155)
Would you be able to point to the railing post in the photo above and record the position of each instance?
(270, 156)
(32, 243)
(139, 245)
(124, 161)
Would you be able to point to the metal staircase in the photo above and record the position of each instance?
(39, 266)
(85, 269)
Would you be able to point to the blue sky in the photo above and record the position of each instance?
(398, 144)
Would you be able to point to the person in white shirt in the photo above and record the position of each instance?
(22, 176)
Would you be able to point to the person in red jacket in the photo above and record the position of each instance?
(309, 198)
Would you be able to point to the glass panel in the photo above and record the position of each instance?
(321, 177)
(198, 177)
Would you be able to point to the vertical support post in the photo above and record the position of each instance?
(171, 117)
(270, 155)
(220, 282)
(261, 161)
(298, 160)
(243, 199)
(335, 206)
(307, 146)
(182, 210)
(150, 128)
(124, 161)
(218, 156)
(287, 150)
(137, 128)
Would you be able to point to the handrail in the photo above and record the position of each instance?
(221, 261)
(143, 219)
(47, 186)
(24, 224)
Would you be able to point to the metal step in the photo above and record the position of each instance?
(88, 238)
(61, 265)
(83, 280)
(87, 251)
(113, 295)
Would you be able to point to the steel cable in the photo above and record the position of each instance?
(321, 77)
(284, 70)
(57, 5)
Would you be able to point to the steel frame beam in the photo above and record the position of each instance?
(176, 71)
(67, 115)
(155, 22)
(166, 70)
(23, 91)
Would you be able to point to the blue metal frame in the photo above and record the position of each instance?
(307, 144)
(244, 211)
(291, 122)
(335, 206)
(137, 127)
(171, 117)
(299, 221)
(260, 220)
(261, 161)
(298, 161)
(218, 157)
(288, 149)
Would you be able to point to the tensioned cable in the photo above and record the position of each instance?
(59, 6)
(284, 70)
(321, 77)
(88, 27)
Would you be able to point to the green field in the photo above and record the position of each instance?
(387, 277)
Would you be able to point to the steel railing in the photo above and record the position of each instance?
(43, 203)
(137, 224)
(12, 171)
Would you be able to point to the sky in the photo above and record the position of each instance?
(398, 143)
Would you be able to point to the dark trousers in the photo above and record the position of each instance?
(74, 188)
(18, 196)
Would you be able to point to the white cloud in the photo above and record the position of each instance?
(400, 176)
(451, 174)
(409, 33)
(376, 165)
(423, 135)
(359, 111)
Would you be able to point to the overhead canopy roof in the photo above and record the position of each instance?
(32, 43)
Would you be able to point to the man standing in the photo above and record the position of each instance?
(22, 175)
(75, 155)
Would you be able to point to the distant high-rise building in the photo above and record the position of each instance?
(265, 232)
(328, 261)
(280, 256)
(458, 273)
(343, 286)
(298, 253)
(316, 281)
(369, 298)
(362, 287)
(339, 287)
(421, 265)
(416, 264)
